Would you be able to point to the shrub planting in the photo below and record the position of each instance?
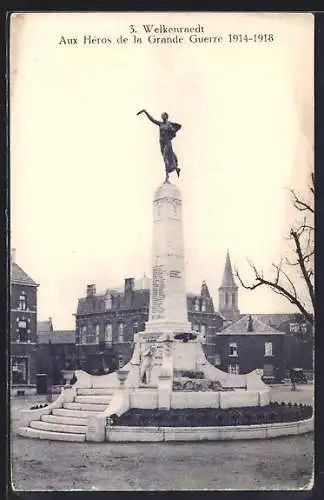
(209, 417)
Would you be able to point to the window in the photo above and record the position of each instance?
(22, 304)
(135, 327)
(233, 349)
(294, 327)
(19, 370)
(121, 332)
(108, 301)
(203, 306)
(233, 299)
(233, 369)
(203, 333)
(196, 305)
(22, 331)
(217, 359)
(97, 334)
(268, 349)
(226, 299)
(108, 333)
(120, 362)
(83, 337)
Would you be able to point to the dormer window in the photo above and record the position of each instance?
(108, 301)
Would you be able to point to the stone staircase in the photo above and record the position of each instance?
(69, 423)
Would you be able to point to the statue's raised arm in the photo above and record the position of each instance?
(156, 122)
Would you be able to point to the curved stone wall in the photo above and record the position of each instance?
(230, 433)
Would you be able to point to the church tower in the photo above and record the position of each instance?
(228, 292)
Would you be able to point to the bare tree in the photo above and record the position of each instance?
(301, 236)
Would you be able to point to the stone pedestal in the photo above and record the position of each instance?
(168, 307)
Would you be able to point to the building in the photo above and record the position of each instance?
(299, 341)
(56, 351)
(249, 343)
(23, 325)
(106, 322)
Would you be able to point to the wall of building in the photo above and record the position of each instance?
(131, 309)
(23, 334)
(251, 352)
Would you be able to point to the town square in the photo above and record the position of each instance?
(162, 303)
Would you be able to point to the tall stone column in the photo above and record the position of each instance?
(168, 307)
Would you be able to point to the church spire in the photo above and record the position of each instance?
(228, 278)
(228, 292)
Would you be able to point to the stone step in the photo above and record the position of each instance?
(46, 426)
(56, 419)
(52, 436)
(63, 412)
(93, 399)
(85, 406)
(95, 391)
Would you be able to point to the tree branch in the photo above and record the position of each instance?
(303, 267)
(301, 235)
(278, 289)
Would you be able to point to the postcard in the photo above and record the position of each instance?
(162, 251)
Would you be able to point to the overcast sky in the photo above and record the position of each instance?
(84, 167)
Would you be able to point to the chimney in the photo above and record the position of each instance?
(129, 285)
(13, 255)
(129, 288)
(91, 290)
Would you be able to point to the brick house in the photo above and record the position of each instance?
(249, 343)
(23, 326)
(106, 322)
(298, 341)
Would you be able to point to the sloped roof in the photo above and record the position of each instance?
(57, 337)
(44, 326)
(276, 320)
(96, 303)
(140, 299)
(240, 327)
(228, 278)
(19, 276)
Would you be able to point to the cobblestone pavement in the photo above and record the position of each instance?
(282, 463)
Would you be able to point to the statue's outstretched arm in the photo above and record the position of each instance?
(156, 122)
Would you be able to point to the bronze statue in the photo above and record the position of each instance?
(168, 132)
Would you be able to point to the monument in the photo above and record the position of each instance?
(168, 368)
